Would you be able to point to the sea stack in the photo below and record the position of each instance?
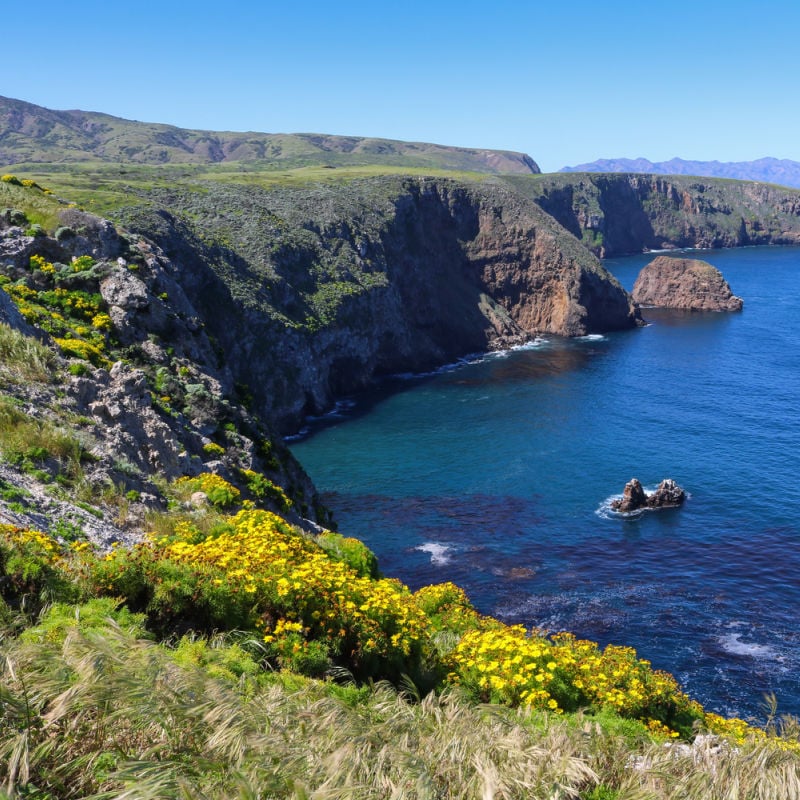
(684, 283)
(667, 495)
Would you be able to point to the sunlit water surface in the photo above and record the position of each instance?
(497, 474)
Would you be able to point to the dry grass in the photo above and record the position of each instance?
(24, 359)
(103, 715)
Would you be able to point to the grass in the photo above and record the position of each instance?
(40, 208)
(92, 709)
(38, 444)
(24, 359)
(102, 188)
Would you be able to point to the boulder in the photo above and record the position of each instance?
(667, 495)
(684, 283)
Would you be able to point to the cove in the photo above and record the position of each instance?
(496, 473)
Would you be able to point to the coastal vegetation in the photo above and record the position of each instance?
(207, 638)
(232, 655)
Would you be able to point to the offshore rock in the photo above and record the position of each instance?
(667, 495)
(687, 283)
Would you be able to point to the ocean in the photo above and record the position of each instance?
(497, 473)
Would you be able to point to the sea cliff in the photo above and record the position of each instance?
(618, 214)
(314, 293)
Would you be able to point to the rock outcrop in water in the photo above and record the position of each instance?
(684, 283)
(667, 495)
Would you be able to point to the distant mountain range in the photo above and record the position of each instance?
(767, 170)
(33, 134)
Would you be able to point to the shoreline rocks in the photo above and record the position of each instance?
(667, 495)
(687, 283)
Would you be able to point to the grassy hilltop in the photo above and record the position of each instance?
(177, 618)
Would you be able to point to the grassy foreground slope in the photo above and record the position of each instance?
(183, 667)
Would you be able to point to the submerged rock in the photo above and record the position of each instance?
(684, 283)
(667, 495)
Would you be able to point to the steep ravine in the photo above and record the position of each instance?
(313, 293)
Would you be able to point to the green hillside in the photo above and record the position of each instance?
(32, 134)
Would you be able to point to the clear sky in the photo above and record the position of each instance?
(565, 81)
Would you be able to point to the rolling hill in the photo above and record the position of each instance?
(33, 134)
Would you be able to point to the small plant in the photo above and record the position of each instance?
(213, 450)
(219, 492)
(68, 531)
(262, 488)
(81, 263)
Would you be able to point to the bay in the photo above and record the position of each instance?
(496, 473)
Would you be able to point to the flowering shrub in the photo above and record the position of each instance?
(255, 572)
(507, 664)
(101, 321)
(81, 263)
(75, 318)
(213, 450)
(220, 493)
(262, 488)
(370, 625)
(79, 348)
(31, 565)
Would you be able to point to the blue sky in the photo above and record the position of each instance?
(566, 82)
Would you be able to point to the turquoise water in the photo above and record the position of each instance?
(497, 473)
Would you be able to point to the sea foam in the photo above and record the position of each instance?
(438, 552)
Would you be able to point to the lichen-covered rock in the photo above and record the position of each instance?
(684, 283)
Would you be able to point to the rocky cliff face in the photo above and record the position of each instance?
(620, 214)
(313, 294)
(130, 393)
(684, 283)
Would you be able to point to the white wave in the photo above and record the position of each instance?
(604, 510)
(533, 344)
(438, 552)
(592, 337)
(733, 644)
(340, 409)
(294, 437)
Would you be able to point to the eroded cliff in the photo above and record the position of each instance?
(617, 214)
(313, 293)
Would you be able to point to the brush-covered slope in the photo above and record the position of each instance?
(314, 292)
(33, 134)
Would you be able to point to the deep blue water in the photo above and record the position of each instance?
(496, 474)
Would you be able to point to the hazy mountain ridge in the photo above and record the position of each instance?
(33, 134)
(782, 171)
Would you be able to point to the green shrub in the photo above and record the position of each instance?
(351, 551)
(61, 618)
(262, 488)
